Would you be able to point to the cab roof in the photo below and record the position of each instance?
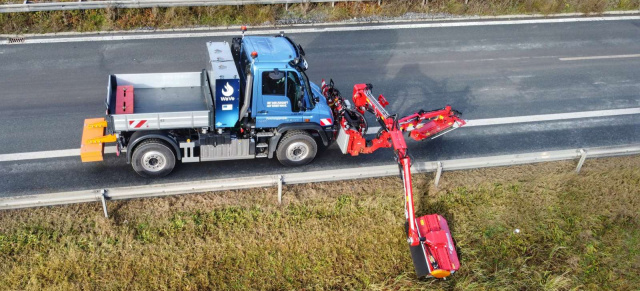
(270, 49)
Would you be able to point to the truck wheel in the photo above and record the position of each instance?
(296, 148)
(152, 159)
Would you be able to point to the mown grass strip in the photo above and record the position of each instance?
(575, 231)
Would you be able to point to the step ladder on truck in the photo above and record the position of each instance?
(254, 100)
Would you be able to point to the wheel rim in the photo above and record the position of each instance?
(297, 151)
(153, 161)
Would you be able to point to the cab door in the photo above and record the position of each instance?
(280, 92)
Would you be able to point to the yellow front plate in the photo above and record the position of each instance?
(91, 152)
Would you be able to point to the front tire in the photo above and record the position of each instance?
(153, 159)
(297, 148)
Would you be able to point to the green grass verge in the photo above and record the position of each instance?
(577, 231)
(159, 18)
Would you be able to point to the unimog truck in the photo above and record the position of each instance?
(254, 100)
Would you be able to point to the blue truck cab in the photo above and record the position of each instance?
(281, 92)
(253, 100)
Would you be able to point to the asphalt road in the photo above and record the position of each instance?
(47, 90)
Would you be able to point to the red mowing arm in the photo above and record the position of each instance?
(431, 244)
(420, 125)
(390, 135)
(431, 124)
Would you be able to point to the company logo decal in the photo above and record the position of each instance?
(228, 90)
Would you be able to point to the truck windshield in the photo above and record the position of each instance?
(307, 88)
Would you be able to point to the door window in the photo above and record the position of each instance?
(273, 83)
(285, 84)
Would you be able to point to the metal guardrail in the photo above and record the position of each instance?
(120, 193)
(83, 5)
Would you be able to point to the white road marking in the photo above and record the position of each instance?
(371, 130)
(600, 57)
(551, 117)
(48, 154)
(473, 61)
(39, 155)
(321, 29)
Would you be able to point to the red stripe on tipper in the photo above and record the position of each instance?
(141, 123)
(138, 123)
(325, 121)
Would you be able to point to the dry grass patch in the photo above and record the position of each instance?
(577, 231)
(180, 17)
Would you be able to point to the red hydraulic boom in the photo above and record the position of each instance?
(429, 238)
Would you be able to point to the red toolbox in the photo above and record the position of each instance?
(124, 99)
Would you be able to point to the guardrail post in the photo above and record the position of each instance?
(280, 178)
(583, 156)
(438, 174)
(103, 192)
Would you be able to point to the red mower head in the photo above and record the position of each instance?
(436, 255)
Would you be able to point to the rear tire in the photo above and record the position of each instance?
(153, 159)
(297, 148)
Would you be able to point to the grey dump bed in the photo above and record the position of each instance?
(162, 101)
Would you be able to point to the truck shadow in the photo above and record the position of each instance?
(396, 62)
(426, 93)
